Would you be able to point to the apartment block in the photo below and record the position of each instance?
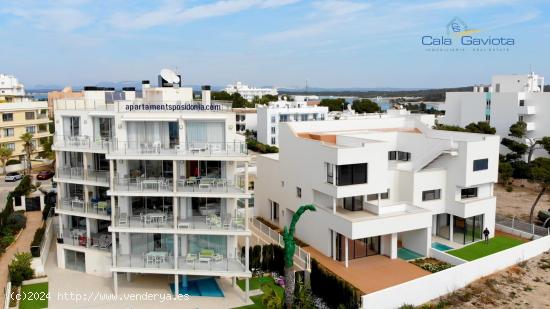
(147, 185)
(507, 100)
(274, 113)
(382, 185)
(249, 92)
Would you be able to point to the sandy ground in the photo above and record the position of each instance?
(518, 202)
(526, 285)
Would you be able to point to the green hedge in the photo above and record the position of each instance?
(261, 148)
(332, 289)
(269, 258)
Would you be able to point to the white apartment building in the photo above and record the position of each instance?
(270, 115)
(508, 99)
(380, 185)
(249, 92)
(148, 186)
(246, 119)
(10, 86)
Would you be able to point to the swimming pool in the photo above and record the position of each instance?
(199, 287)
(440, 246)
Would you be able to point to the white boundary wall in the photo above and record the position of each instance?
(424, 289)
(445, 257)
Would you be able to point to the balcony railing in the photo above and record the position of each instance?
(81, 104)
(77, 237)
(151, 220)
(77, 204)
(156, 220)
(204, 184)
(80, 142)
(190, 149)
(78, 173)
(142, 184)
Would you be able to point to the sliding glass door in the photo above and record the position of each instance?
(467, 230)
(357, 248)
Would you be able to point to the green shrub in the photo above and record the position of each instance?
(20, 268)
(332, 289)
(433, 268)
(256, 257)
(509, 189)
(25, 186)
(38, 235)
(12, 162)
(7, 240)
(17, 220)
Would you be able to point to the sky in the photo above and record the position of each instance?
(282, 43)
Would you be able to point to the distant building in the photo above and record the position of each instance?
(269, 116)
(20, 114)
(509, 98)
(66, 93)
(246, 119)
(249, 92)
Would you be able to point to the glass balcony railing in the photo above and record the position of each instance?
(80, 142)
(78, 237)
(142, 184)
(184, 185)
(157, 220)
(150, 220)
(77, 204)
(188, 149)
(78, 173)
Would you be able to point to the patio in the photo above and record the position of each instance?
(371, 273)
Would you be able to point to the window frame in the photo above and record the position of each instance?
(466, 193)
(480, 164)
(426, 195)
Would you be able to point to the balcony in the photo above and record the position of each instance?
(151, 220)
(527, 110)
(77, 204)
(236, 148)
(78, 173)
(77, 237)
(207, 185)
(165, 220)
(530, 126)
(80, 143)
(184, 185)
(142, 184)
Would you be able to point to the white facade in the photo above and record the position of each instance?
(146, 187)
(249, 92)
(270, 115)
(246, 119)
(10, 86)
(379, 183)
(508, 99)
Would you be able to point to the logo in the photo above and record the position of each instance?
(460, 37)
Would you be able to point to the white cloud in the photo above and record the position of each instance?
(51, 17)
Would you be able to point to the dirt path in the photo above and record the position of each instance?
(23, 244)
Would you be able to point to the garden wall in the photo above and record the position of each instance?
(424, 289)
(445, 257)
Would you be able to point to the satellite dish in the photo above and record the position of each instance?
(169, 76)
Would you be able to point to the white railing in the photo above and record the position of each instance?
(522, 226)
(301, 257)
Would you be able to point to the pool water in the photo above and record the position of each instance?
(440, 246)
(199, 287)
(407, 255)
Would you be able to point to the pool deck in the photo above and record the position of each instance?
(373, 273)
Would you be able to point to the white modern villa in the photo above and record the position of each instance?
(249, 92)
(270, 115)
(509, 99)
(385, 185)
(148, 186)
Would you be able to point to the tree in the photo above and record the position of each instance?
(505, 172)
(20, 268)
(28, 147)
(517, 149)
(304, 297)
(365, 106)
(270, 298)
(47, 148)
(5, 155)
(519, 131)
(540, 172)
(480, 127)
(333, 104)
(290, 247)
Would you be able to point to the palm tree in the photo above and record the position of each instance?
(5, 155)
(290, 247)
(28, 146)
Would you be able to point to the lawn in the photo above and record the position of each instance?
(256, 283)
(480, 249)
(38, 292)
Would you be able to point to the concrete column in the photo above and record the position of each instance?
(246, 213)
(347, 251)
(233, 281)
(176, 247)
(393, 249)
(113, 248)
(451, 227)
(128, 277)
(111, 185)
(60, 221)
(175, 210)
(333, 236)
(245, 177)
(333, 205)
(85, 164)
(247, 288)
(176, 285)
(175, 175)
(246, 253)
(88, 232)
(87, 201)
(115, 283)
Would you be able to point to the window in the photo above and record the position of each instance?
(273, 119)
(353, 203)
(237, 118)
(330, 172)
(481, 164)
(521, 102)
(31, 129)
(42, 127)
(243, 117)
(322, 116)
(520, 118)
(372, 197)
(303, 117)
(488, 103)
(403, 156)
(273, 130)
(10, 146)
(34, 144)
(497, 88)
(29, 115)
(351, 174)
(392, 155)
(273, 141)
(431, 195)
(298, 192)
(283, 118)
(468, 193)
(282, 183)
(314, 116)
(7, 117)
(385, 195)
(8, 132)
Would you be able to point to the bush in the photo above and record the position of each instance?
(332, 289)
(17, 220)
(261, 148)
(433, 268)
(38, 235)
(509, 189)
(12, 162)
(25, 186)
(20, 268)
(6, 241)
(256, 257)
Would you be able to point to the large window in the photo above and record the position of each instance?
(351, 174)
(200, 132)
(481, 164)
(399, 155)
(357, 248)
(431, 195)
(7, 117)
(467, 230)
(30, 129)
(330, 172)
(468, 193)
(8, 132)
(353, 203)
(29, 115)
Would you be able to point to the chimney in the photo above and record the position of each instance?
(145, 84)
(129, 93)
(205, 95)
